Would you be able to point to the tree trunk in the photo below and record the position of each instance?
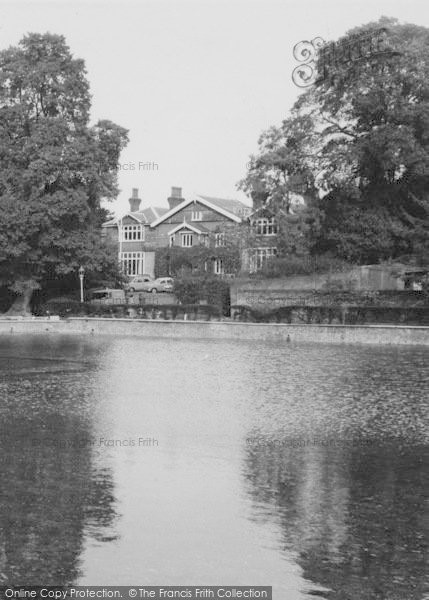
(21, 304)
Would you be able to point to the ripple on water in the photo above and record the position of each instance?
(298, 466)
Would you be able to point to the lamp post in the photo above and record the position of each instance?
(81, 274)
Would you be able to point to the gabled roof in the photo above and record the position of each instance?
(266, 209)
(111, 223)
(229, 204)
(226, 207)
(138, 216)
(145, 216)
(154, 212)
(200, 229)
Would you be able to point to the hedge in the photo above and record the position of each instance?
(351, 315)
(72, 308)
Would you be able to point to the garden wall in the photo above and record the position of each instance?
(280, 333)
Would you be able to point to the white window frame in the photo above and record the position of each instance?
(265, 226)
(197, 215)
(132, 233)
(218, 266)
(186, 238)
(260, 256)
(132, 263)
(219, 240)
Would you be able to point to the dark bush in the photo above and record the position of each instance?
(70, 308)
(209, 289)
(188, 290)
(247, 314)
(351, 315)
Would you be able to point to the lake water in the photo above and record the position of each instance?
(156, 462)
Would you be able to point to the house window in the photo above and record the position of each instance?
(260, 257)
(218, 267)
(265, 226)
(197, 215)
(131, 233)
(132, 263)
(219, 240)
(187, 240)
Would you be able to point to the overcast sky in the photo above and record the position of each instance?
(194, 81)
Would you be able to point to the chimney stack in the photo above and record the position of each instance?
(176, 197)
(134, 201)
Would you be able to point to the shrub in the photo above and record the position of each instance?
(210, 289)
(71, 308)
(187, 290)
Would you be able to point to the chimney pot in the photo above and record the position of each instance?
(134, 200)
(176, 197)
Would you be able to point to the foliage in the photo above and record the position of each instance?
(188, 290)
(69, 307)
(351, 315)
(210, 289)
(425, 286)
(281, 174)
(296, 231)
(359, 142)
(55, 168)
(176, 261)
(68, 286)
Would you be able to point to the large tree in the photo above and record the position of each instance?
(55, 168)
(364, 154)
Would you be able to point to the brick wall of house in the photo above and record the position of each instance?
(158, 237)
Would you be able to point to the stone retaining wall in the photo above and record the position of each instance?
(330, 334)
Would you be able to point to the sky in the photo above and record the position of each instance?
(194, 81)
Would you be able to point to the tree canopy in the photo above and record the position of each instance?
(55, 168)
(359, 140)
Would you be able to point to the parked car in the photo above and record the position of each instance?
(145, 283)
(139, 283)
(164, 284)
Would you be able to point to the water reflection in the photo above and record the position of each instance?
(342, 520)
(339, 460)
(52, 494)
(355, 518)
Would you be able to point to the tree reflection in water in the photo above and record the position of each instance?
(354, 517)
(49, 498)
(51, 495)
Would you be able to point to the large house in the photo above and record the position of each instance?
(262, 239)
(186, 223)
(130, 234)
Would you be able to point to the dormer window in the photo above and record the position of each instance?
(265, 226)
(197, 215)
